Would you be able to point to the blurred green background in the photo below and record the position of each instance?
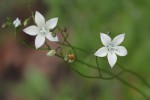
(27, 74)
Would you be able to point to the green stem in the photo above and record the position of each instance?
(100, 76)
(135, 74)
(119, 79)
(79, 49)
(83, 75)
(98, 67)
(49, 48)
(125, 70)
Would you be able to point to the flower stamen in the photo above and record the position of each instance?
(43, 31)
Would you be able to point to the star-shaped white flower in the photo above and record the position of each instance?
(42, 29)
(17, 22)
(111, 48)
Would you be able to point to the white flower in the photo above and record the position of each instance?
(111, 48)
(17, 22)
(42, 29)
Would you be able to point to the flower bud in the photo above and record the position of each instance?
(51, 53)
(25, 23)
(63, 29)
(71, 58)
(17, 22)
(66, 58)
(108, 33)
(5, 25)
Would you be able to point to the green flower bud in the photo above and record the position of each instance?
(25, 23)
(51, 53)
(5, 25)
(63, 29)
(66, 58)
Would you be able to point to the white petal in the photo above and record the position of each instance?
(51, 38)
(121, 51)
(52, 23)
(39, 19)
(102, 52)
(105, 39)
(112, 58)
(31, 30)
(39, 41)
(118, 39)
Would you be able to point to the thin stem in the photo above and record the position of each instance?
(31, 11)
(79, 49)
(22, 42)
(64, 37)
(110, 73)
(135, 74)
(119, 79)
(65, 40)
(47, 46)
(98, 67)
(133, 87)
(125, 70)
(83, 75)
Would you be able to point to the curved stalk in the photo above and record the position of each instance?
(135, 74)
(119, 79)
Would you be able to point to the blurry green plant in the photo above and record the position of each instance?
(35, 86)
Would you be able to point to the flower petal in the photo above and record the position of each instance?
(52, 23)
(51, 38)
(31, 30)
(118, 39)
(121, 51)
(39, 19)
(39, 41)
(102, 52)
(112, 58)
(105, 39)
